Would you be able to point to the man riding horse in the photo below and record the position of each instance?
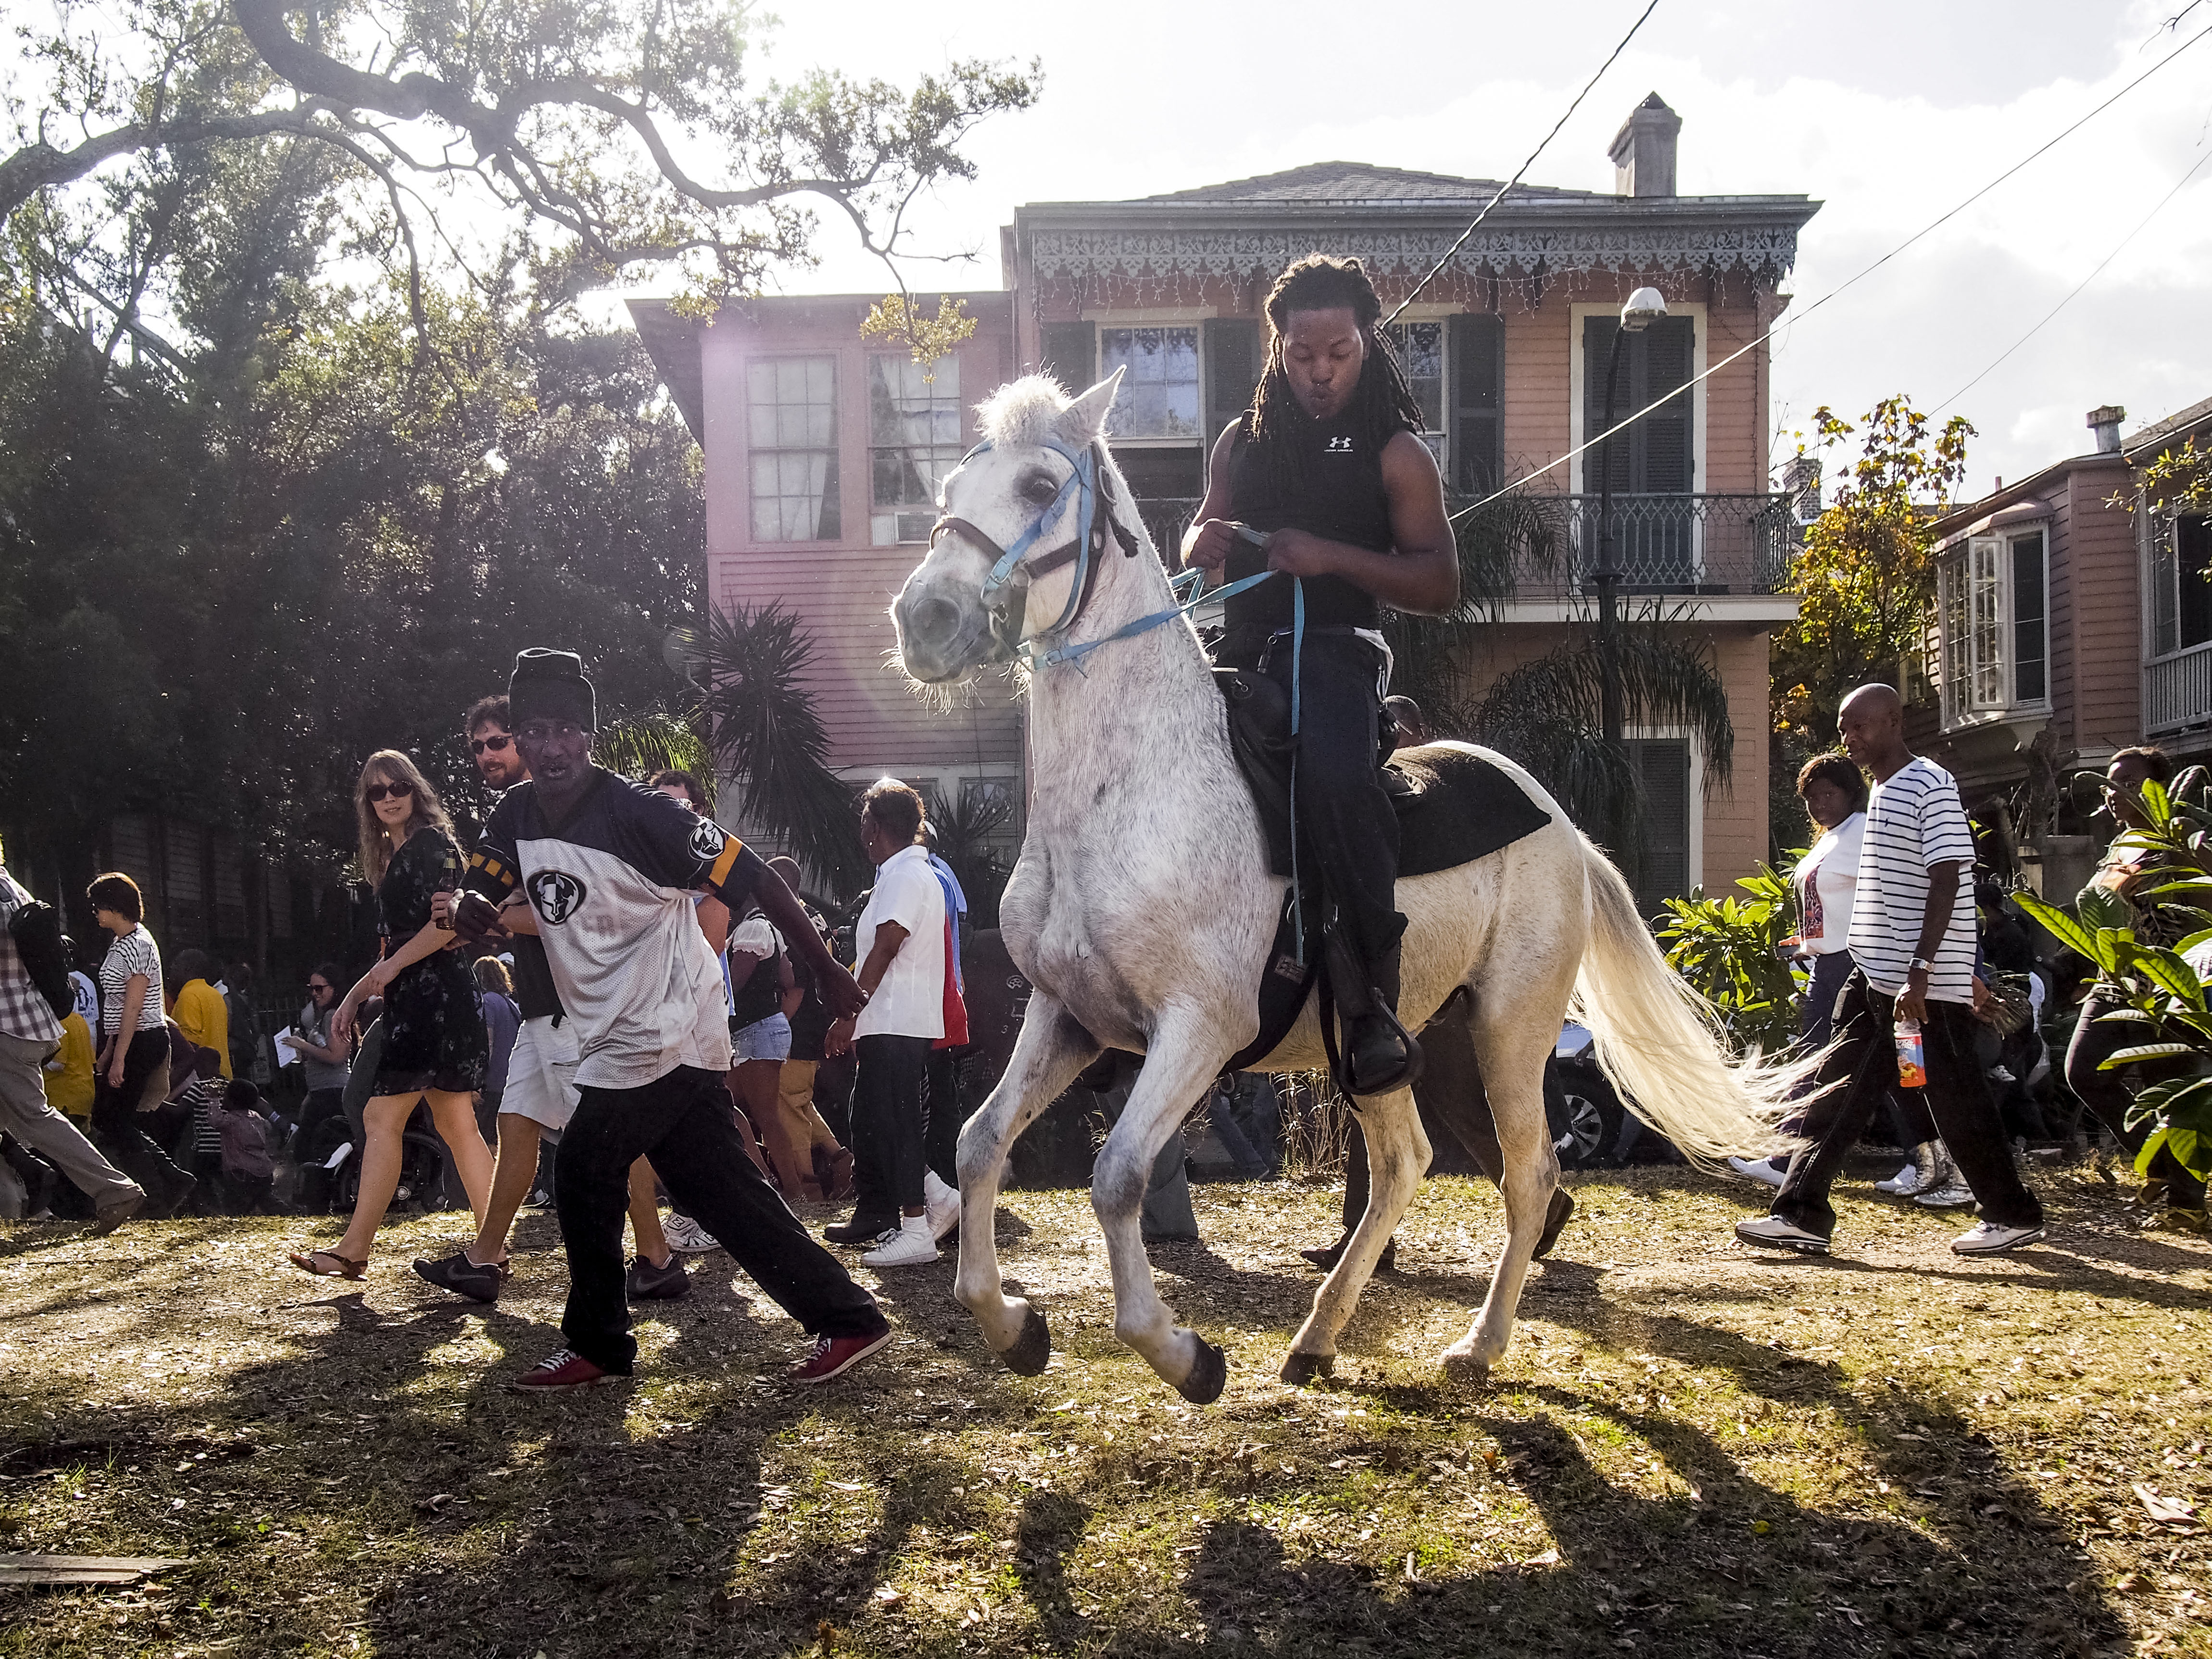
(1329, 465)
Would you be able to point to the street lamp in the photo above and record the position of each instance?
(1644, 306)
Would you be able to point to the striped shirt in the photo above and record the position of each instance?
(1915, 820)
(134, 952)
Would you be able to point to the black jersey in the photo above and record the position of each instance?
(612, 888)
(1334, 490)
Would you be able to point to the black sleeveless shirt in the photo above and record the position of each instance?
(1335, 491)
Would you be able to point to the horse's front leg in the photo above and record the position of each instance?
(1050, 1052)
(1397, 1158)
(1183, 1057)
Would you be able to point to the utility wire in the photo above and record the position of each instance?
(1766, 334)
(1524, 167)
(2140, 227)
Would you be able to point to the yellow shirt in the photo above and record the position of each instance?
(68, 1073)
(202, 1018)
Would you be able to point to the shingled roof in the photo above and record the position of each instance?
(1360, 182)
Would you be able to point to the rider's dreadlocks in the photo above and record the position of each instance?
(1382, 404)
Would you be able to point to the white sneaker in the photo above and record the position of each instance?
(1903, 1184)
(1987, 1239)
(688, 1236)
(1930, 1168)
(943, 1204)
(1771, 1170)
(910, 1246)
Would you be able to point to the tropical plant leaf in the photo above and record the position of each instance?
(771, 743)
(2058, 923)
(2147, 1051)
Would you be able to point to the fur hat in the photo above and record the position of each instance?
(552, 683)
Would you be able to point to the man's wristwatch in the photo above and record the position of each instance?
(1921, 964)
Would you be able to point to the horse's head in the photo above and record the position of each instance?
(1020, 492)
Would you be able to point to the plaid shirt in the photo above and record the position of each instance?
(23, 1011)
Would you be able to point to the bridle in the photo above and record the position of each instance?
(1088, 490)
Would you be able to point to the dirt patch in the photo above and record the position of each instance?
(1691, 1449)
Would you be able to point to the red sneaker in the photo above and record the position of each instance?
(834, 1356)
(562, 1370)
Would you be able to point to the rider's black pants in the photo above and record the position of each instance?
(1347, 825)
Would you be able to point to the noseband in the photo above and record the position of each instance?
(1012, 568)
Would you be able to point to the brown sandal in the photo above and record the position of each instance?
(347, 1267)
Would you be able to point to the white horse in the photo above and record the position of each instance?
(1142, 911)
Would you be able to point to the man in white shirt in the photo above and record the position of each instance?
(1912, 944)
(901, 942)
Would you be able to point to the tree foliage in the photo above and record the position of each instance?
(1729, 948)
(1865, 578)
(587, 133)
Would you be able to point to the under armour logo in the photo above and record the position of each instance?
(554, 895)
(706, 839)
(1339, 446)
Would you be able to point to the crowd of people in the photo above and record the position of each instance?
(609, 998)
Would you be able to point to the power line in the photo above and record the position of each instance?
(1524, 166)
(2142, 225)
(1766, 334)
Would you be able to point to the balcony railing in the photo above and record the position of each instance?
(1664, 544)
(2178, 691)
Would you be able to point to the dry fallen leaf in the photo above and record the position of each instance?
(2167, 1511)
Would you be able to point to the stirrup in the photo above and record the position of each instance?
(1407, 1074)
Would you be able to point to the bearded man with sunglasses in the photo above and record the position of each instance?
(541, 1096)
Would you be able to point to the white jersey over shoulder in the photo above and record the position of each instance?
(1914, 820)
(611, 886)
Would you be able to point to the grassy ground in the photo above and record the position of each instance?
(1691, 1449)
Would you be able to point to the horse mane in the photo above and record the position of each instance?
(1022, 414)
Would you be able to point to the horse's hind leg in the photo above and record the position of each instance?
(1511, 1042)
(1050, 1052)
(1397, 1157)
(1181, 1059)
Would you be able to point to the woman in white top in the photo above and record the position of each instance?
(1834, 791)
(134, 1044)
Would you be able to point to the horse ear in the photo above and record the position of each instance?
(1084, 421)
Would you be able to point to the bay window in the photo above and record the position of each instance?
(1991, 640)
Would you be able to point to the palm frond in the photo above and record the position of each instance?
(1500, 545)
(770, 742)
(642, 744)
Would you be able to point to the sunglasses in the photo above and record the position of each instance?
(377, 791)
(315, 990)
(496, 744)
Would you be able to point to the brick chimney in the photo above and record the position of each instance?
(1643, 150)
(2106, 423)
(1800, 481)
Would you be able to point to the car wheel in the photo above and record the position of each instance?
(1577, 1124)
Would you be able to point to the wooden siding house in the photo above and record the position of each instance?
(1506, 347)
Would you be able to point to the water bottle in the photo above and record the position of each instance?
(1911, 1056)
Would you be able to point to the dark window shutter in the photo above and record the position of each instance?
(2030, 632)
(1071, 353)
(1663, 765)
(1597, 357)
(1668, 347)
(1233, 370)
(1478, 430)
(2192, 547)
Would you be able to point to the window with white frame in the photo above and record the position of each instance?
(1991, 636)
(914, 440)
(1420, 350)
(1160, 391)
(791, 434)
(2181, 589)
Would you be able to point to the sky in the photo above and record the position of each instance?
(1889, 112)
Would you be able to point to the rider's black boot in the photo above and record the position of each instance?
(1380, 1054)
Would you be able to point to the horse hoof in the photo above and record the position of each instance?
(1466, 1371)
(1561, 1211)
(1031, 1349)
(1209, 1375)
(1300, 1368)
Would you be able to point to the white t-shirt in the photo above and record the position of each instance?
(910, 1001)
(1827, 878)
(1915, 819)
(87, 999)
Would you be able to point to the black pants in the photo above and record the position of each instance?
(1910, 1123)
(887, 1125)
(1864, 1066)
(683, 1122)
(2105, 1094)
(1346, 824)
(940, 1140)
(115, 1116)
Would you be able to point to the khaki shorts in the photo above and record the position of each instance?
(541, 1074)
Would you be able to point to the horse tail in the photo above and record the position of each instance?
(1664, 1042)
